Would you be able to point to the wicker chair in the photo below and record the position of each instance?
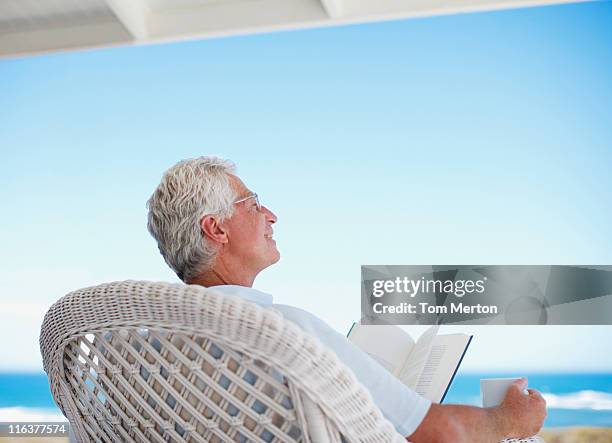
(156, 362)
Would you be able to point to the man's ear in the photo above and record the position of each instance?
(213, 229)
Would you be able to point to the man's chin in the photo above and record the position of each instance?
(271, 258)
(276, 257)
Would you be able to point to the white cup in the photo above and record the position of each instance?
(493, 390)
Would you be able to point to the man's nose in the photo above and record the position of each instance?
(270, 216)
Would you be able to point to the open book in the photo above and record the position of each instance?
(427, 366)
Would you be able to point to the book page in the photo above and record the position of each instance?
(442, 362)
(416, 360)
(388, 345)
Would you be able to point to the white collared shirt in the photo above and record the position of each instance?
(403, 407)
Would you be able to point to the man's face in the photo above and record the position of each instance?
(249, 231)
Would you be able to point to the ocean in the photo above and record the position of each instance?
(573, 399)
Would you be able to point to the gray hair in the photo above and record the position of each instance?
(188, 191)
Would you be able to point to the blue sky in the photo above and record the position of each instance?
(476, 138)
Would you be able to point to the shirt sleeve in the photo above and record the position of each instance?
(403, 407)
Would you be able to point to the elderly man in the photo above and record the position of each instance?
(213, 231)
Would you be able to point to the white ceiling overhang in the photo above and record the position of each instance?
(39, 26)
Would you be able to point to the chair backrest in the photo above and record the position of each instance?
(156, 362)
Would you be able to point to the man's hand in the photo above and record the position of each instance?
(522, 413)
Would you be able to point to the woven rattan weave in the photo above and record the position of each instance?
(155, 362)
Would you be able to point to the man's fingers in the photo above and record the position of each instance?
(520, 384)
(534, 393)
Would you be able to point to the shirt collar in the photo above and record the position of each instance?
(249, 294)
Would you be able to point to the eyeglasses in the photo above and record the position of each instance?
(248, 198)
